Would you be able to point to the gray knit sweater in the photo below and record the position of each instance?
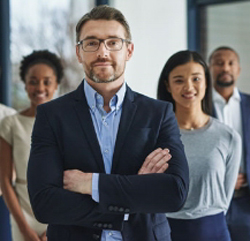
(213, 153)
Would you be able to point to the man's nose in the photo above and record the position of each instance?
(226, 67)
(102, 52)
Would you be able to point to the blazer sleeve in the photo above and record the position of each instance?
(50, 202)
(150, 193)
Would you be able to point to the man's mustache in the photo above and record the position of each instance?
(223, 73)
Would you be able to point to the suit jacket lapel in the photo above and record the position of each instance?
(84, 116)
(128, 113)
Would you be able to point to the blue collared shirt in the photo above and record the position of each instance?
(106, 127)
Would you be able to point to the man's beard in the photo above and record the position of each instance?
(224, 83)
(96, 79)
(113, 77)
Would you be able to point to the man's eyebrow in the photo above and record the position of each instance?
(94, 37)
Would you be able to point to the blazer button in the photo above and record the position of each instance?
(96, 236)
(99, 225)
(116, 208)
(121, 210)
(105, 225)
(127, 210)
(110, 226)
(110, 208)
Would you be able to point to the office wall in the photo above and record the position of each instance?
(159, 29)
(228, 24)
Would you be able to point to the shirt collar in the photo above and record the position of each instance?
(218, 98)
(92, 96)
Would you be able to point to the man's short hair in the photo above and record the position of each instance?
(223, 48)
(103, 12)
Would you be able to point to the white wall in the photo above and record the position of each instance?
(228, 25)
(159, 29)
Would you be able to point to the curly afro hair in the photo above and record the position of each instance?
(38, 57)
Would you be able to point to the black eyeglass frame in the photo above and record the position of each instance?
(103, 41)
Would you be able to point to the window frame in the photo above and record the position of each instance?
(196, 10)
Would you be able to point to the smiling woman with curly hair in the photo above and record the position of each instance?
(41, 72)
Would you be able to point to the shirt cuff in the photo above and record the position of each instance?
(95, 187)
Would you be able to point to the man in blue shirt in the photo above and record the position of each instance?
(98, 168)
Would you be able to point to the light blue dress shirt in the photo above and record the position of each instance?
(106, 127)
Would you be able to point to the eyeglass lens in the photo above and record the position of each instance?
(91, 45)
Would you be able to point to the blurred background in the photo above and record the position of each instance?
(159, 29)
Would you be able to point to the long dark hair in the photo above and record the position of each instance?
(181, 58)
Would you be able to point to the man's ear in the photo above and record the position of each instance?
(78, 55)
(239, 70)
(130, 50)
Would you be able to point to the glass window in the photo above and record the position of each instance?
(228, 24)
(37, 25)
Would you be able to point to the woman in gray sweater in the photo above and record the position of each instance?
(212, 149)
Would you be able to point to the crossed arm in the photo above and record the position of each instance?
(80, 182)
(49, 183)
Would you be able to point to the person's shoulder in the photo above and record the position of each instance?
(224, 130)
(245, 97)
(9, 120)
(244, 94)
(5, 111)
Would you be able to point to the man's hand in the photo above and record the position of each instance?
(241, 179)
(43, 237)
(77, 181)
(156, 162)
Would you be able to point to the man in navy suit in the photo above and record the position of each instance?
(98, 167)
(233, 108)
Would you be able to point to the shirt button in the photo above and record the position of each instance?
(110, 233)
(106, 151)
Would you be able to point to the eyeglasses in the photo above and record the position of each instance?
(93, 44)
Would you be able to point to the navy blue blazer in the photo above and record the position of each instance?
(245, 116)
(245, 110)
(64, 138)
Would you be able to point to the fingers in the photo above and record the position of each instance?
(163, 168)
(241, 179)
(156, 162)
(68, 180)
(152, 155)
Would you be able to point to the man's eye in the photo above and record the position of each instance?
(113, 42)
(219, 63)
(47, 82)
(93, 43)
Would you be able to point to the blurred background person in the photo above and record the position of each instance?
(232, 107)
(5, 234)
(41, 72)
(213, 150)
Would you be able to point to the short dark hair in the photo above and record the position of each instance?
(175, 60)
(103, 12)
(223, 48)
(41, 57)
